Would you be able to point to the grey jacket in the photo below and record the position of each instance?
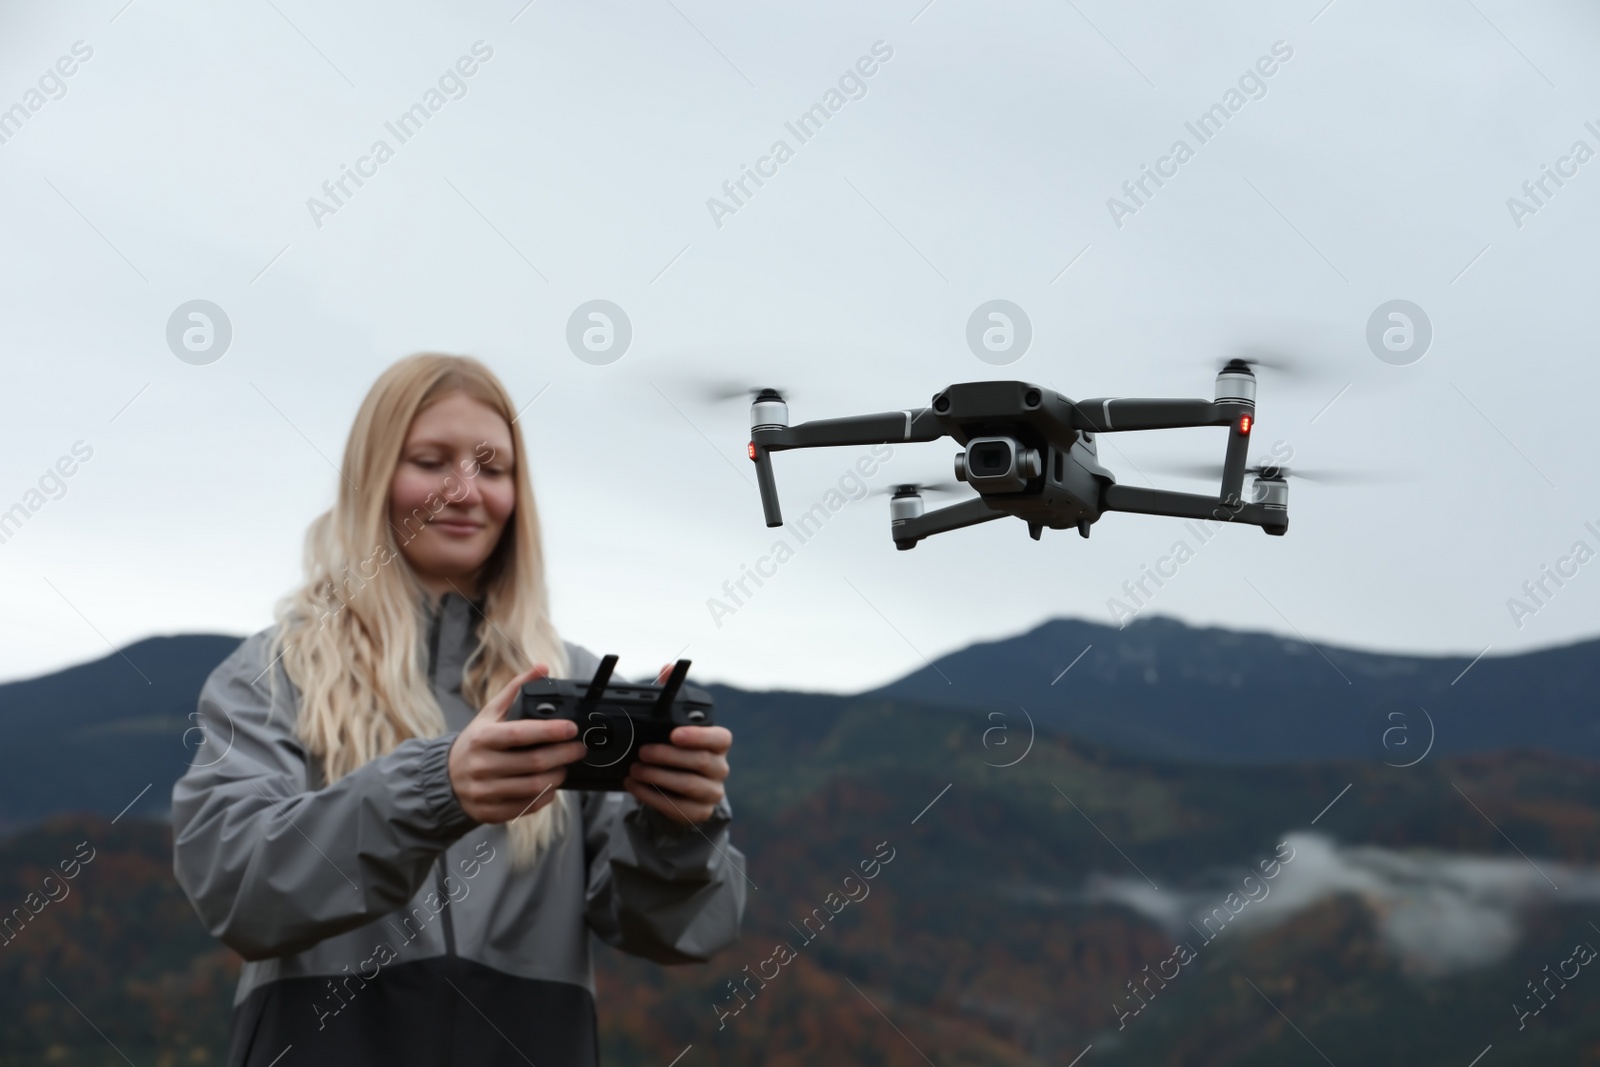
(381, 924)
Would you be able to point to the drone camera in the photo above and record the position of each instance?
(998, 464)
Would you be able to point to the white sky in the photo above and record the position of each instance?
(178, 164)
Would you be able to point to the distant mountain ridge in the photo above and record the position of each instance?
(1156, 689)
(91, 737)
(1164, 689)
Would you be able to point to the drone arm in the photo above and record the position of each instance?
(888, 427)
(1131, 498)
(1109, 414)
(918, 424)
(967, 513)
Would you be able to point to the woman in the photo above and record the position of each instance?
(395, 861)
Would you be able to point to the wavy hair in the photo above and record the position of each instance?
(351, 635)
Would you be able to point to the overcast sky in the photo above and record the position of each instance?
(177, 161)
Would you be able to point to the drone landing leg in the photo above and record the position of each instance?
(1233, 463)
(768, 485)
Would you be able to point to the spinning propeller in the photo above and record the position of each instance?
(1211, 472)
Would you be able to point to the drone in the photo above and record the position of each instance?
(1031, 453)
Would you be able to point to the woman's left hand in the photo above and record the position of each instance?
(682, 780)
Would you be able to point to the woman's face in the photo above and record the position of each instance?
(453, 492)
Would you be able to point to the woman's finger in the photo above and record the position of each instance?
(520, 733)
(685, 784)
(699, 760)
(501, 702)
(503, 763)
(711, 738)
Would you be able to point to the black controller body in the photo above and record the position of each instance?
(614, 719)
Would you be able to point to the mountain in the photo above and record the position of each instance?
(1017, 905)
(1161, 688)
(1036, 875)
(124, 721)
(1157, 688)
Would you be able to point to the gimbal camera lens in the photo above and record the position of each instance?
(992, 459)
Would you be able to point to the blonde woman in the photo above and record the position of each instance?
(395, 861)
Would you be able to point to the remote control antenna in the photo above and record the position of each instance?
(602, 677)
(669, 691)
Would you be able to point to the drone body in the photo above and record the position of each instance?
(1031, 453)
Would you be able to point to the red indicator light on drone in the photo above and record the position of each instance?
(1244, 423)
(752, 450)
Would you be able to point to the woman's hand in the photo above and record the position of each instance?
(495, 782)
(683, 780)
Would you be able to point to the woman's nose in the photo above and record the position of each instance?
(466, 488)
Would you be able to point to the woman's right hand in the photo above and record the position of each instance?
(492, 779)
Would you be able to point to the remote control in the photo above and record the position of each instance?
(614, 719)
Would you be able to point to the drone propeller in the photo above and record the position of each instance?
(1315, 474)
(719, 392)
(909, 488)
(1212, 472)
(1295, 368)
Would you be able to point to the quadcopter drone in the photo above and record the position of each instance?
(1031, 453)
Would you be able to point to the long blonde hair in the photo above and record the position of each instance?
(350, 635)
